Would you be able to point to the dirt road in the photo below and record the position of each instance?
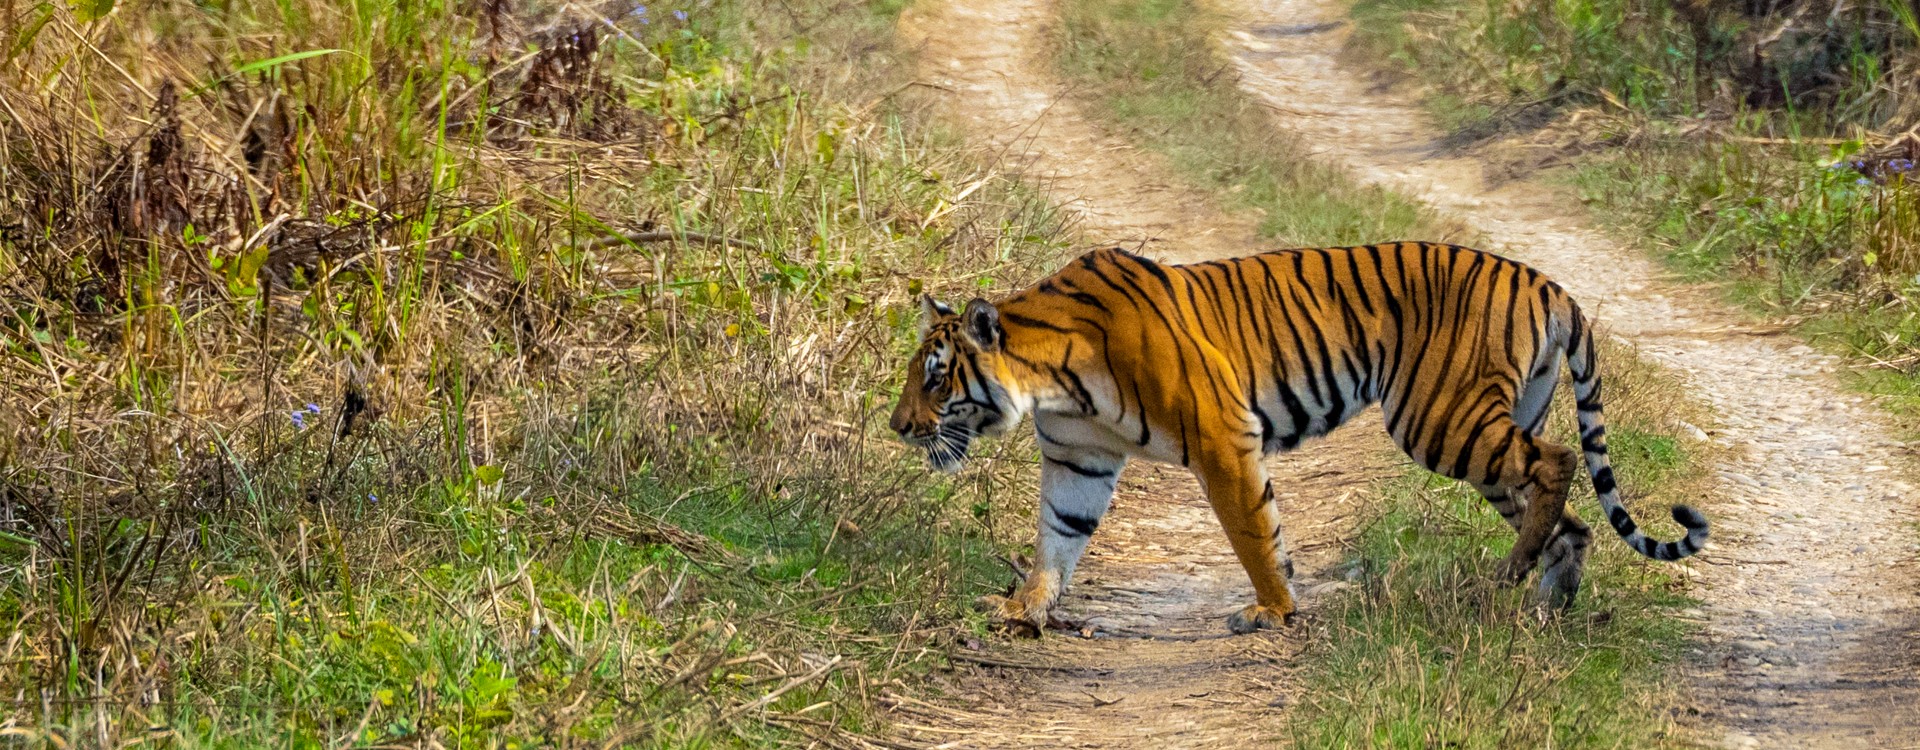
(1809, 583)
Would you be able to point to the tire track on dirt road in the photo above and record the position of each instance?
(1159, 578)
(1809, 583)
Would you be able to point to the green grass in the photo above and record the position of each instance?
(329, 417)
(1432, 653)
(1151, 71)
(1428, 652)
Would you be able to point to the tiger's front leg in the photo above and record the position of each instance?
(1076, 488)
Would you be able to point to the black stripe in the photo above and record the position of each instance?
(1078, 469)
(1296, 411)
(1060, 527)
(1460, 463)
(1360, 285)
(1081, 525)
(1146, 433)
(1022, 320)
(1042, 434)
(1622, 521)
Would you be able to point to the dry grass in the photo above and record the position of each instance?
(330, 414)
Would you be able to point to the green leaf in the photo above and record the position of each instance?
(17, 540)
(92, 10)
(23, 39)
(823, 143)
(272, 61)
(488, 474)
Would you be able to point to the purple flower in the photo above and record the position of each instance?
(1900, 165)
(680, 15)
(313, 408)
(1861, 181)
(372, 498)
(299, 420)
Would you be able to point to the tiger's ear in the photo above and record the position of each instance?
(983, 325)
(931, 311)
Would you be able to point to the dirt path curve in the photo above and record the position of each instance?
(1159, 579)
(1810, 580)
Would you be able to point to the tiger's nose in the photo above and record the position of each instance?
(901, 424)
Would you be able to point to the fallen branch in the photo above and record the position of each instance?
(775, 695)
(989, 661)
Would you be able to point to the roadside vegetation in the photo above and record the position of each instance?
(473, 374)
(1425, 651)
(1151, 72)
(1770, 146)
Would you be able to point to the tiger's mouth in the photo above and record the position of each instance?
(947, 448)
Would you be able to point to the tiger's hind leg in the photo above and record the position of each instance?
(1565, 562)
(1242, 498)
(1498, 453)
(1537, 472)
(1565, 556)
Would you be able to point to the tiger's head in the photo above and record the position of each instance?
(958, 385)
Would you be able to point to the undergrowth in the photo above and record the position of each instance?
(484, 373)
(1429, 651)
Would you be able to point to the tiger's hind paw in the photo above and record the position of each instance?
(1560, 585)
(1256, 617)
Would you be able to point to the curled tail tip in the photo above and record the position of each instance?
(1686, 516)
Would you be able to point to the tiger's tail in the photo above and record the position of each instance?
(1582, 360)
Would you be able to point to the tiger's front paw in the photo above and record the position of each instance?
(1255, 617)
(1012, 616)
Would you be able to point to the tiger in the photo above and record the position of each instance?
(1218, 364)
